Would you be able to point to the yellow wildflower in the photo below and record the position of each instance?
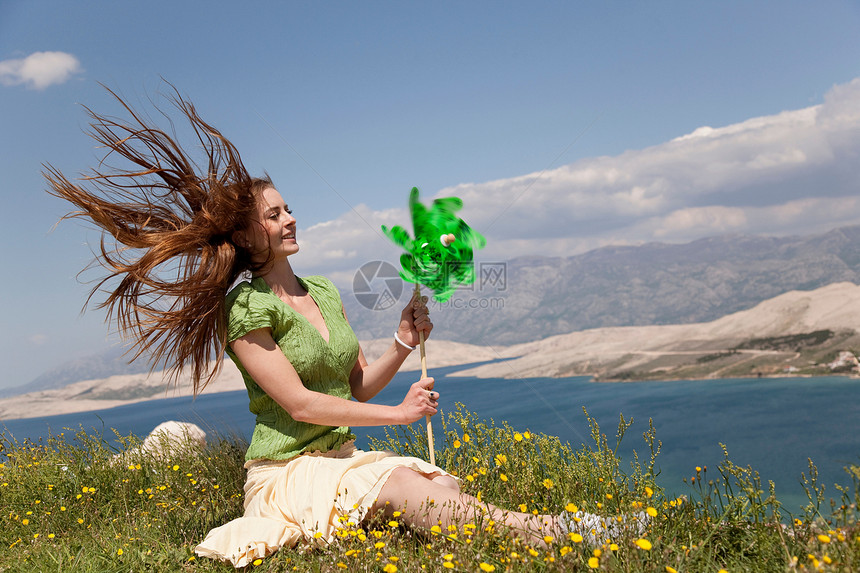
(518, 437)
(644, 544)
(575, 537)
(487, 567)
(593, 562)
(390, 568)
(824, 538)
(457, 443)
(466, 438)
(571, 508)
(648, 491)
(547, 483)
(671, 569)
(651, 511)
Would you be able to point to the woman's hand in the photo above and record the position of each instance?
(415, 318)
(420, 401)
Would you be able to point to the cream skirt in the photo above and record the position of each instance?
(304, 497)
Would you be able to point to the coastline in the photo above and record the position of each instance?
(122, 390)
(796, 334)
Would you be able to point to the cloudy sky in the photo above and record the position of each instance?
(564, 126)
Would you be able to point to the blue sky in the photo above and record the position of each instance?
(564, 125)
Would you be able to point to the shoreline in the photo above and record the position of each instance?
(794, 335)
(47, 407)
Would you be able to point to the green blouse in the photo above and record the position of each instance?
(322, 367)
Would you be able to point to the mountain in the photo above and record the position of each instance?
(112, 361)
(531, 298)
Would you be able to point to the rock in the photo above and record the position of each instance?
(167, 440)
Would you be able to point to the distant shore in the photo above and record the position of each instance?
(796, 334)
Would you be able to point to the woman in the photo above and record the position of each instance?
(306, 376)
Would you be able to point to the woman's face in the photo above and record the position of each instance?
(273, 230)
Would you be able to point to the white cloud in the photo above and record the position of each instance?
(39, 70)
(794, 172)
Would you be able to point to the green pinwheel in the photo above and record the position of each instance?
(438, 257)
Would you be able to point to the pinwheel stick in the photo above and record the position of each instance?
(424, 375)
(446, 241)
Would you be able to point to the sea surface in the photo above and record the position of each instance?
(773, 425)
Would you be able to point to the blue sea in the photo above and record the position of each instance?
(773, 425)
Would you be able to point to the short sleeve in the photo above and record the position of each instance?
(248, 309)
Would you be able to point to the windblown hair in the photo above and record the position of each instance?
(167, 235)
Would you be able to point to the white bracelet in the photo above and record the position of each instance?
(401, 343)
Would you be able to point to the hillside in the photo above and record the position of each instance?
(799, 332)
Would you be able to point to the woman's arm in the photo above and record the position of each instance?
(273, 372)
(366, 379)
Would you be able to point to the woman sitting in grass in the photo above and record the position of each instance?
(183, 237)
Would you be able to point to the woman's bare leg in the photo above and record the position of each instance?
(425, 502)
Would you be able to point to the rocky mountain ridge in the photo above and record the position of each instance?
(651, 284)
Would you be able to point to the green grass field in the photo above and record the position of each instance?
(71, 505)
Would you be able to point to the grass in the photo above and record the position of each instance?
(68, 504)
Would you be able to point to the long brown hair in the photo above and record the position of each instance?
(167, 235)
